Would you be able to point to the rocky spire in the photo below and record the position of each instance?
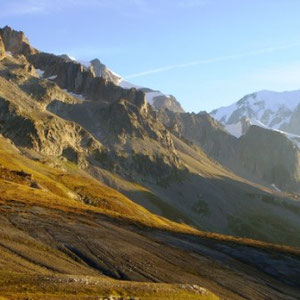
(16, 42)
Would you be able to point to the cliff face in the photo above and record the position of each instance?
(271, 156)
(167, 102)
(101, 70)
(16, 42)
(68, 74)
(138, 143)
(76, 78)
(2, 49)
(202, 130)
(268, 155)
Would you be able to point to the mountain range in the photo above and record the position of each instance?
(112, 189)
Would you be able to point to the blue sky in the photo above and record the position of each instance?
(207, 53)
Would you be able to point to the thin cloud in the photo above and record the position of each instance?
(34, 7)
(213, 60)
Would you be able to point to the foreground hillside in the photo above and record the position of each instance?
(65, 236)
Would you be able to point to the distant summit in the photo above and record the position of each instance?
(271, 110)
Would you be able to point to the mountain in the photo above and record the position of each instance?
(69, 113)
(103, 195)
(16, 42)
(273, 110)
(157, 99)
(248, 156)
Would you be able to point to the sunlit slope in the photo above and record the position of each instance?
(35, 183)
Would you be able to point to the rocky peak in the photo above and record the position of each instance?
(169, 102)
(76, 78)
(16, 42)
(101, 70)
(268, 109)
(98, 67)
(2, 49)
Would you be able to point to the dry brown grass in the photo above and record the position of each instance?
(21, 286)
(70, 192)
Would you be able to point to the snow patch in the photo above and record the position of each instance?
(234, 129)
(275, 188)
(40, 72)
(71, 57)
(127, 85)
(278, 104)
(120, 79)
(223, 114)
(52, 77)
(80, 97)
(8, 53)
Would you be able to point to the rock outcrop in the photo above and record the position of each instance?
(271, 156)
(74, 77)
(2, 49)
(16, 42)
(167, 102)
(138, 143)
(101, 70)
(202, 130)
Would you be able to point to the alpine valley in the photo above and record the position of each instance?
(109, 190)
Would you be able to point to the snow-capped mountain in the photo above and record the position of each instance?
(272, 110)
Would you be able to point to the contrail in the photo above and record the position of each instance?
(212, 60)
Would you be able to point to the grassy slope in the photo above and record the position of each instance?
(29, 276)
(69, 191)
(22, 254)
